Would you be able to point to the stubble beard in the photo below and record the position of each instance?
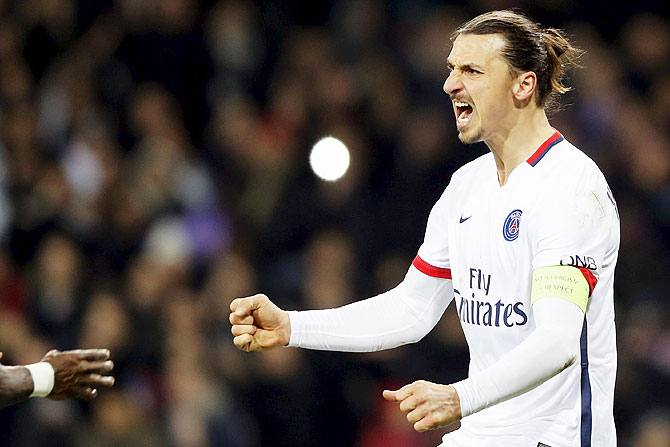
(467, 138)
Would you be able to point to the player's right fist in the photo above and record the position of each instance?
(258, 324)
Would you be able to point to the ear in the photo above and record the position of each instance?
(524, 86)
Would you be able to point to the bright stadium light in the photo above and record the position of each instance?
(329, 159)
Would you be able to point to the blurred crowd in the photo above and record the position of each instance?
(153, 167)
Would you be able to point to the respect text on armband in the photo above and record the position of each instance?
(487, 311)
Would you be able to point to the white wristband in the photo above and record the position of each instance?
(43, 378)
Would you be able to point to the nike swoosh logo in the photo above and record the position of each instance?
(461, 220)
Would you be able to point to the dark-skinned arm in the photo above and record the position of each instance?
(69, 374)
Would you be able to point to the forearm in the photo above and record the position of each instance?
(552, 347)
(16, 385)
(402, 315)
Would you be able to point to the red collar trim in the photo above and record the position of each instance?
(553, 140)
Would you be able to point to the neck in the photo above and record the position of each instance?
(516, 144)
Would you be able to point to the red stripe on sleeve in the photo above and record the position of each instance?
(431, 270)
(589, 278)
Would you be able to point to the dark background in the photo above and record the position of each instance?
(153, 166)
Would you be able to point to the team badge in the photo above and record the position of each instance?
(511, 225)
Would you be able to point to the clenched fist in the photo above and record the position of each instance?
(428, 405)
(258, 324)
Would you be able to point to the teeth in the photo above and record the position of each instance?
(461, 104)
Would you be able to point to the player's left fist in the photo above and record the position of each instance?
(428, 405)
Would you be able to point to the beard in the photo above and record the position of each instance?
(470, 136)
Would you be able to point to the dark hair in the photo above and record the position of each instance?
(546, 52)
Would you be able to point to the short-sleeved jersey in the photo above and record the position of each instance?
(555, 209)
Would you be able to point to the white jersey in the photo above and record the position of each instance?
(555, 209)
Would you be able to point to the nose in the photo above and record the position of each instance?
(452, 84)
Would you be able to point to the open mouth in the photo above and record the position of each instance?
(463, 113)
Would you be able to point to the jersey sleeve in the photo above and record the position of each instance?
(399, 316)
(576, 225)
(548, 350)
(433, 256)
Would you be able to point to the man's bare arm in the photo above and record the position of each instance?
(59, 375)
(15, 384)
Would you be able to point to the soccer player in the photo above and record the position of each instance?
(524, 239)
(59, 375)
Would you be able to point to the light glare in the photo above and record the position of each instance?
(329, 159)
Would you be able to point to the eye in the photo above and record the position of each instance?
(469, 70)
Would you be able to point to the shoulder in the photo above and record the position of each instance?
(465, 177)
(462, 180)
(471, 171)
(571, 188)
(566, 173)
(567, 163)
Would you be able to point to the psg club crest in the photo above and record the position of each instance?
(511, 225)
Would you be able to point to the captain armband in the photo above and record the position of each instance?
(565, 282)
